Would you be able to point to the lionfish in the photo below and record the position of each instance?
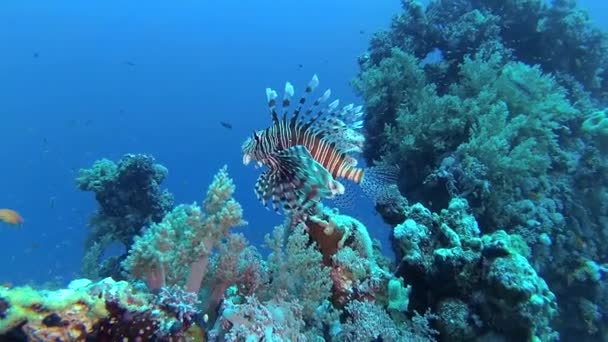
(308, 150)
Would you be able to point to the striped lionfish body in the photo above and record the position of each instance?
(305, 150)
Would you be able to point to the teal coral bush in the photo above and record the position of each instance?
(479, 284)
(498, 102)
(559, 37)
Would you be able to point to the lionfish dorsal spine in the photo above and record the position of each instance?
(287, 95)
(309, 120)
(312, 85)
(271, 98)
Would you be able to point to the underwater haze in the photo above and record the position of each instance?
(176, 170)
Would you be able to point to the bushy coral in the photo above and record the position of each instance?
(177, 250)
(370, 322)
(497, 102)
(274, 320)
(296, 268)
(129, 197)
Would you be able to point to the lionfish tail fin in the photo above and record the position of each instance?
(378, 180)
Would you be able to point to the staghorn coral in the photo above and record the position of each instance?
(129, 198)
(177, 250)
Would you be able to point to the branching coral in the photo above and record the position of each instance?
(297, 269)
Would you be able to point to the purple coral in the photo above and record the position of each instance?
(275, 320)
(183, 304)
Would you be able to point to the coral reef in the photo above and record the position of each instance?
(485, 280)
(103, 311)
(559, 37)
(498, 103)
(493, 112)
(129, 197)
(324, 280)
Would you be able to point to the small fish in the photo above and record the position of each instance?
(36, 55)
(300, 65)
(225, 124)
(11, 217)
(129, 63)
(361, 31)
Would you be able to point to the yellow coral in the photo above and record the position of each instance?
(76, 309)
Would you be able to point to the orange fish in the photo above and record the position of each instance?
(11, 217)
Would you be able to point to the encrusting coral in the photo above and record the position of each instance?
(103, 311)
(487, 277)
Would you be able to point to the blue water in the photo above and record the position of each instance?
(80, 81)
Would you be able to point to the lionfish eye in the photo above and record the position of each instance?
(256, 136)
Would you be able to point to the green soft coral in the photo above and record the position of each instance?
(177, 249)
(520, 116)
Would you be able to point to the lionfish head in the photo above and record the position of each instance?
(250, 146)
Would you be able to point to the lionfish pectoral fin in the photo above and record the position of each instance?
(316, 181)
(263, 187)
(280, 188)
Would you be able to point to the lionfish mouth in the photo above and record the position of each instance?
(246, 159)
